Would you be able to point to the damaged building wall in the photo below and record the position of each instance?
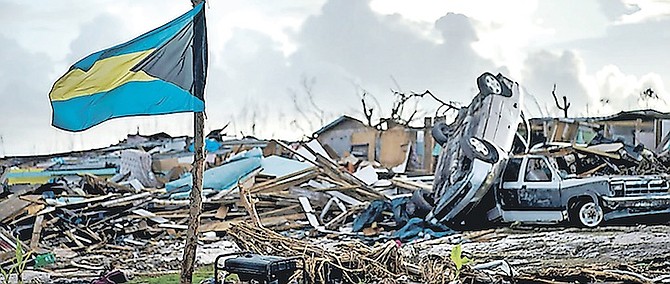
(646, 127)
(338, 134)
(397, 145)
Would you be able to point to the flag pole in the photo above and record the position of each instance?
(195, 207)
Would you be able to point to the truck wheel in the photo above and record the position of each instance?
(481, 149)
(489, 84)
(588, 214)
(439, 132)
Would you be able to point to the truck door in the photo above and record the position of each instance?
(537, 187)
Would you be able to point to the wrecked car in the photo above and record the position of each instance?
(533, 189)
(548, 184)
(474, 148)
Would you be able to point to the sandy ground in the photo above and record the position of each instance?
(561, 250)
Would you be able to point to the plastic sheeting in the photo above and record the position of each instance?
(410, 228)
(419, 229)
(211, 145)
(222, 177)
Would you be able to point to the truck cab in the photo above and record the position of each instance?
(532, 189)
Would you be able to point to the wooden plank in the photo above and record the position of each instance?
(12, 207)
(595, 152)
(591, 171)
(344, 197)
(428, 145)
(37, 232)
(284, 184)
(117, 201)
(74, 239)
(249, 202)
(87, 200)
(280, 211)
(182, 215)
(218, 226)
(151, 216)
(266, 222)
(222, 212)
(34, 208)
(337, 188)
(33, 198)
(309, 212)
(92, 234)
(412, 185)
(286, 177)
(173, 226)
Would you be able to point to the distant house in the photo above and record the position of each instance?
(647, 127)
(391, 147)
(337, 135)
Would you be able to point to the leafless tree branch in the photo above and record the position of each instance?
(566, 104)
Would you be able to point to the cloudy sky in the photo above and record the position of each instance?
(281, 69)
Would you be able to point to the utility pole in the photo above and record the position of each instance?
(195, 208)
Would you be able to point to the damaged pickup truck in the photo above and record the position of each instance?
(533, 189)
(485, 172)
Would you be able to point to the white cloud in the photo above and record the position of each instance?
(261, 51)
(617, 91)
(645, 10)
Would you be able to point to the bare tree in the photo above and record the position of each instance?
(367, 111)
(400, 113)
(566, 104)
(311, 112)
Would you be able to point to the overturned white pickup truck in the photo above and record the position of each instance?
(479, 177)
(533, 189)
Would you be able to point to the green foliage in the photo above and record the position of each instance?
(458, 259)
(19, 264)
(6, 274)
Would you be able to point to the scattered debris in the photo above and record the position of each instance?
(362, 209)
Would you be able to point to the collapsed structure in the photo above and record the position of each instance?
(488, 168)
(329, 201)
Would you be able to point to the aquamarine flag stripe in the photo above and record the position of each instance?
(152, 39)
(130, 99)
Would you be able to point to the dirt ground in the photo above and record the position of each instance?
(571, 254)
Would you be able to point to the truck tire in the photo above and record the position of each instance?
(480, 149)
(587, 214)
(439, 132)
(489, 84)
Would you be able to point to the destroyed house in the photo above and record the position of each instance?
(647, 127)
(337, 136)
(396, 145)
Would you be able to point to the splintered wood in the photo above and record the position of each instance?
(357, 261)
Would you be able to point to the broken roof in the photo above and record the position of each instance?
(644, 114)
(335, 122)
(637, 114)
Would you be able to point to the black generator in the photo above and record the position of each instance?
(257, 269)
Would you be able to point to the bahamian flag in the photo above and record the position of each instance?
(162, 71)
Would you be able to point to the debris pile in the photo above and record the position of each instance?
(604, 157)
(133, 212)
(352, 220)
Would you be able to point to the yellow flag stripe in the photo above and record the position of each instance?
(103, 76)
